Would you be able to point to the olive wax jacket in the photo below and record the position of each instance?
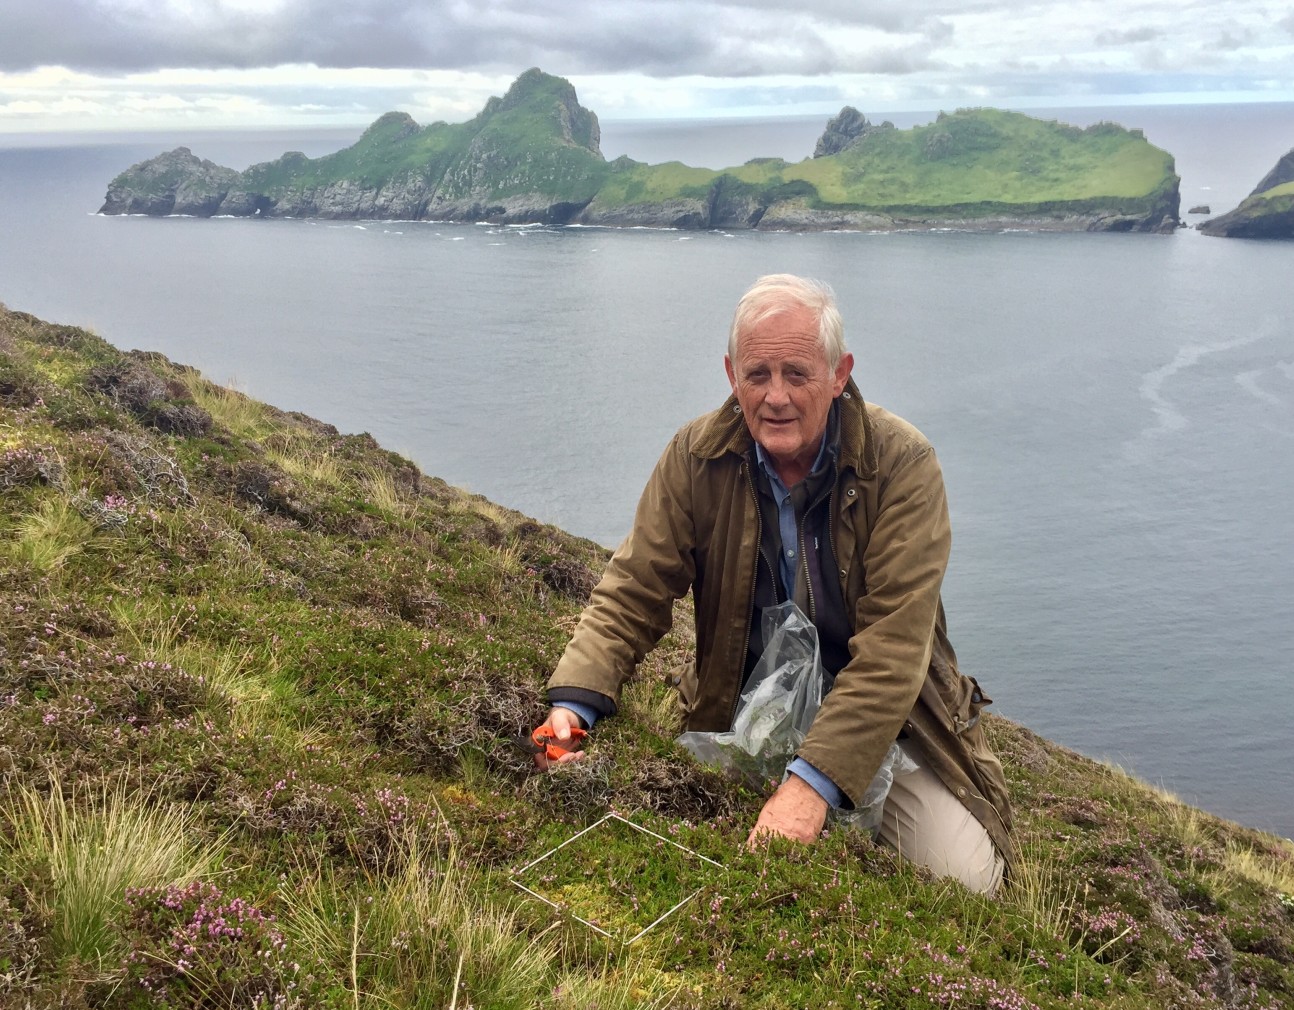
(697, 527)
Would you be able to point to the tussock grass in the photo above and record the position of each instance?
(504, 518)
(237, 674)
(305, 460)
(48, 537)
(156, 628)
(1186, 823)
(95, 845)
(423, 937)
(379, 489)
(1041, 890)
(1273, 870)
(653, 704)
(231, 409)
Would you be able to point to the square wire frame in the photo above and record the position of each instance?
(593, 926)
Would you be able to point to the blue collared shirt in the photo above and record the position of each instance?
(788, 562)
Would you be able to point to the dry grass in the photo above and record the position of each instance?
(424, 937)
(305, 460)
(94, 846)
(653, 704)
(47, 538)
(1273, 870)
(232, 410)
(379, 489)
(1040, 889)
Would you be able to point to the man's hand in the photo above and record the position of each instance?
(558, 724)
(794, 811)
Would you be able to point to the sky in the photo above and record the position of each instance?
(76, 65)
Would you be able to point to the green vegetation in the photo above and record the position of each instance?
(1276, 192)
(535, 139)
(255, 751)
(533, 155)
(972, 162)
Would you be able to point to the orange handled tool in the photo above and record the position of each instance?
(542, 742)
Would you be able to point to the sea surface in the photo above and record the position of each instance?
(1114, 413)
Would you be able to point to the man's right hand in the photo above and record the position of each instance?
(558, 724)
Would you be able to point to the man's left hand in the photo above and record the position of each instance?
(794, 811)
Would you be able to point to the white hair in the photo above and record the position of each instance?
(776, 293)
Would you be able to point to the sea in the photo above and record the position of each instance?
(1114, 413)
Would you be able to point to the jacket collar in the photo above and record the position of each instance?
(725, 431)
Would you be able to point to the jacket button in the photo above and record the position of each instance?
(736, 409)
(961, 791)
(850, 493)
(844, 574)
(676, 680)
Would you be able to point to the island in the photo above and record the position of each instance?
(533, 157)
(1267, 212)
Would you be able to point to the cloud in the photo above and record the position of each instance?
(1229, 40)
(726, 37)
(1129, 36)
(348, 61)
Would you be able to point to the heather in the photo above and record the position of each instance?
(274, 671)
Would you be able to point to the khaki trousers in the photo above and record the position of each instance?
(927, 824)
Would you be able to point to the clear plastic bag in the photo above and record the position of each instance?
(776, 710)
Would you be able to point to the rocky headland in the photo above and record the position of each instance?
(533, 156)
(1267, 212)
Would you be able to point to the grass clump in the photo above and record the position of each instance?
(93, 847)
(53, 532)
(421, 936)
(234, 411)
(326, 670)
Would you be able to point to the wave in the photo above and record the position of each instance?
(1169, 419)
(1248, 381)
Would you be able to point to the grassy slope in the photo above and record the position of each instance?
(392, 147)
(520, 135)
(1278, 199)
(974, 159)
(289, 663)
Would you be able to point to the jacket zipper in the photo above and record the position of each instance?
(754, 579)
(804, 565)
(833, 526)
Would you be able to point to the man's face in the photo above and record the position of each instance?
(785, 388)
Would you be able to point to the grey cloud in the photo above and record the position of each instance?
(1229, 41)
(728, 37)
(921, 17)
(1128, 36)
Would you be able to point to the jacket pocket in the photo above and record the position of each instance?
(961, 699)
(683, 679)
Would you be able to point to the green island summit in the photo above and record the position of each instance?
(260, 688)
(533, 156)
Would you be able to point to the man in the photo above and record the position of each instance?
(797, 489)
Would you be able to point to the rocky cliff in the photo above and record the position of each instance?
(1267, 212)
(845, 130)
(533, 156)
